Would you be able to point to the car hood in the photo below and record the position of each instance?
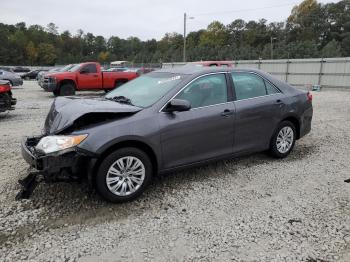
(66, 111)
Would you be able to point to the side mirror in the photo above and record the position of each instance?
(178, 105)
(84, 71)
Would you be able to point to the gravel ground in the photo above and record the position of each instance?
(248, 209)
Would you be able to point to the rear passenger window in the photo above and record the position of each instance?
(270, 88)
(248, 85)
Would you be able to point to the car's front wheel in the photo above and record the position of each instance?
(283, 140)
(67, 90)
(124, 174)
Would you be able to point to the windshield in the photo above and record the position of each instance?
(145, 90)
(74, 68)
(66, 68)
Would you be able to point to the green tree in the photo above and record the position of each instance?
(32, 53)
(215, 35)
(46, 54)
(332, 49)
(103, 56)
(52, 29)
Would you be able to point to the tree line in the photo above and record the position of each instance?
(312, 30)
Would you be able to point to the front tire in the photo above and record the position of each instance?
(283, 141)
(67, 90)
(123, 175)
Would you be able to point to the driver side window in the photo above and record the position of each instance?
(205, 91)
(89, 69)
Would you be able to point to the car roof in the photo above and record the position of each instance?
(212, 62)
(193, 69)
(196, 71)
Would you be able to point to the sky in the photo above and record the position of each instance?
(145, 19)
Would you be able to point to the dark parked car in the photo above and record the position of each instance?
(33, 74)
(164, 121)
(8, 69)
(14, 79)
(20, 69)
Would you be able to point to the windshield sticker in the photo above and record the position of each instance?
(169, 80)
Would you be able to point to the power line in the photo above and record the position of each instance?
(243, 10)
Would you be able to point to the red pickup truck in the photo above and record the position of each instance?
(85, 76)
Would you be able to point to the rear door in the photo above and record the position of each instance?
(89, 78)
(205, 131)
(258, 111)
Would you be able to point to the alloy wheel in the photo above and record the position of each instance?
(285, 139)
(125, 176)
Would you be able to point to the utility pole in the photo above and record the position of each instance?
(185, 24)
(184, 51)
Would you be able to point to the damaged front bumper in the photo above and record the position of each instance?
(63, 166)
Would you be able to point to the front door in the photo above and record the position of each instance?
(205, 131)
(88, 78)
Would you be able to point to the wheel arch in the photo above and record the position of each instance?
(295, 121)
(121, 80)
(122, 144)
(67, 81)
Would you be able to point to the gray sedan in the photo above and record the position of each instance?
(14, 79)
(165, 121)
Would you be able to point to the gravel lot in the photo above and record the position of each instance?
(248, 209)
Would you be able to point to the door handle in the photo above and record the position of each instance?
(227, 113)
(95, 75)
(279, 102)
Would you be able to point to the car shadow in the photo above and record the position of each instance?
(8, 115)
(72, 204)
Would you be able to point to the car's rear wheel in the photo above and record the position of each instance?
(67, 90)
(119, 83)
(283, 140)
(124, 175)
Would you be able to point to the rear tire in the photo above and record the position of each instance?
(67, 90)
(283, 141)
(118, 84)
(126, 168)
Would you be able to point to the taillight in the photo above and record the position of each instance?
(4, 88)
(309, 96)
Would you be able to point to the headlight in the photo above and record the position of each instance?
(50, 144)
